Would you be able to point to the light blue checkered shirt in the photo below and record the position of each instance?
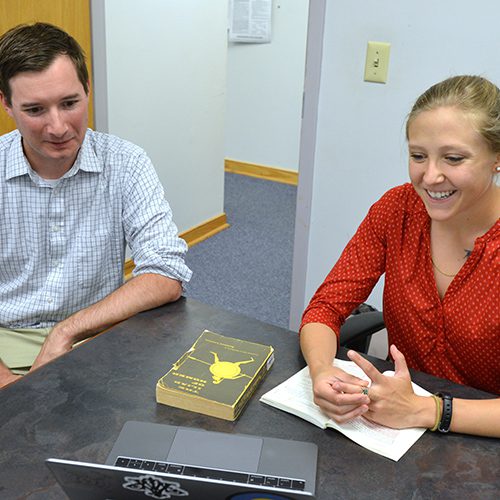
(62, 248)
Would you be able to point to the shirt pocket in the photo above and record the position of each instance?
(94, 260)
(20, 260)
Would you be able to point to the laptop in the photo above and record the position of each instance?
(158, 461)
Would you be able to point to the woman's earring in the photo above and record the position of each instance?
(498, 168)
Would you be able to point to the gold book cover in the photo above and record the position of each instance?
(216, 376)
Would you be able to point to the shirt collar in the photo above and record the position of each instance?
(87, 159)
(18, 165)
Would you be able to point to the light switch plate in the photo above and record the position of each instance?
(377, 62)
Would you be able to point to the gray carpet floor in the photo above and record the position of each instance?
(247, 268)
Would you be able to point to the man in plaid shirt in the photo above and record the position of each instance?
(71, 199)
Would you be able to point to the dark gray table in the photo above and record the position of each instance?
(75, 407)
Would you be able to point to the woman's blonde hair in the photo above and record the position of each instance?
(474, 95)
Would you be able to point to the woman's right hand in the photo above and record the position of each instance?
(339, 394)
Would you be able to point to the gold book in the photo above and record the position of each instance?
(216, 376)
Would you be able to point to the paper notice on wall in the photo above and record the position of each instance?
(250, 21)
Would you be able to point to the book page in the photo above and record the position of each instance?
(295, 396)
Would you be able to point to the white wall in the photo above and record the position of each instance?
(160, 81)
(359, 150)
(264, 91)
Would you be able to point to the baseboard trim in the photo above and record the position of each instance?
(261, 171)
(205, 230)
(128, 267)
(192, 236)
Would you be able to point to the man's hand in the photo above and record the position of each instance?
(6, 376)
(339, 394)
(56, 344)
(138, 294)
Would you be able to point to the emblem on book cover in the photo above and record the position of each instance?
(225, 370)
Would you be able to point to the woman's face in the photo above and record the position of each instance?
(451, 165)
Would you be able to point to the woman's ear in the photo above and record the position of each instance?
(497, 164)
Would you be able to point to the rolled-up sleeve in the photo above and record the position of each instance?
(150, 231)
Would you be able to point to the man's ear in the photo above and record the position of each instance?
(5, 104)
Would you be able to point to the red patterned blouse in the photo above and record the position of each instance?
(457, 337)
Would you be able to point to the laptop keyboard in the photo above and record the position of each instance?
(188, 470)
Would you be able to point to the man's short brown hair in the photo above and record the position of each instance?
(34, 47)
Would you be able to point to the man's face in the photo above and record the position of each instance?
(50, 109)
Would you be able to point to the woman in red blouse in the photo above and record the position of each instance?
(438, 242)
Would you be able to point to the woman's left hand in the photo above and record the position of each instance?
(392, 400)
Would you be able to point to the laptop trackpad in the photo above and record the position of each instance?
(221, 451)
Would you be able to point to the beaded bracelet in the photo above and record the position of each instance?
(438, 412)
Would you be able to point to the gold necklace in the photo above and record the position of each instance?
(439, 270)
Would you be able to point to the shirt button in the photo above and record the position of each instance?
(55, 228)
(49, 300)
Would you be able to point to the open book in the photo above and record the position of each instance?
(295, 396)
